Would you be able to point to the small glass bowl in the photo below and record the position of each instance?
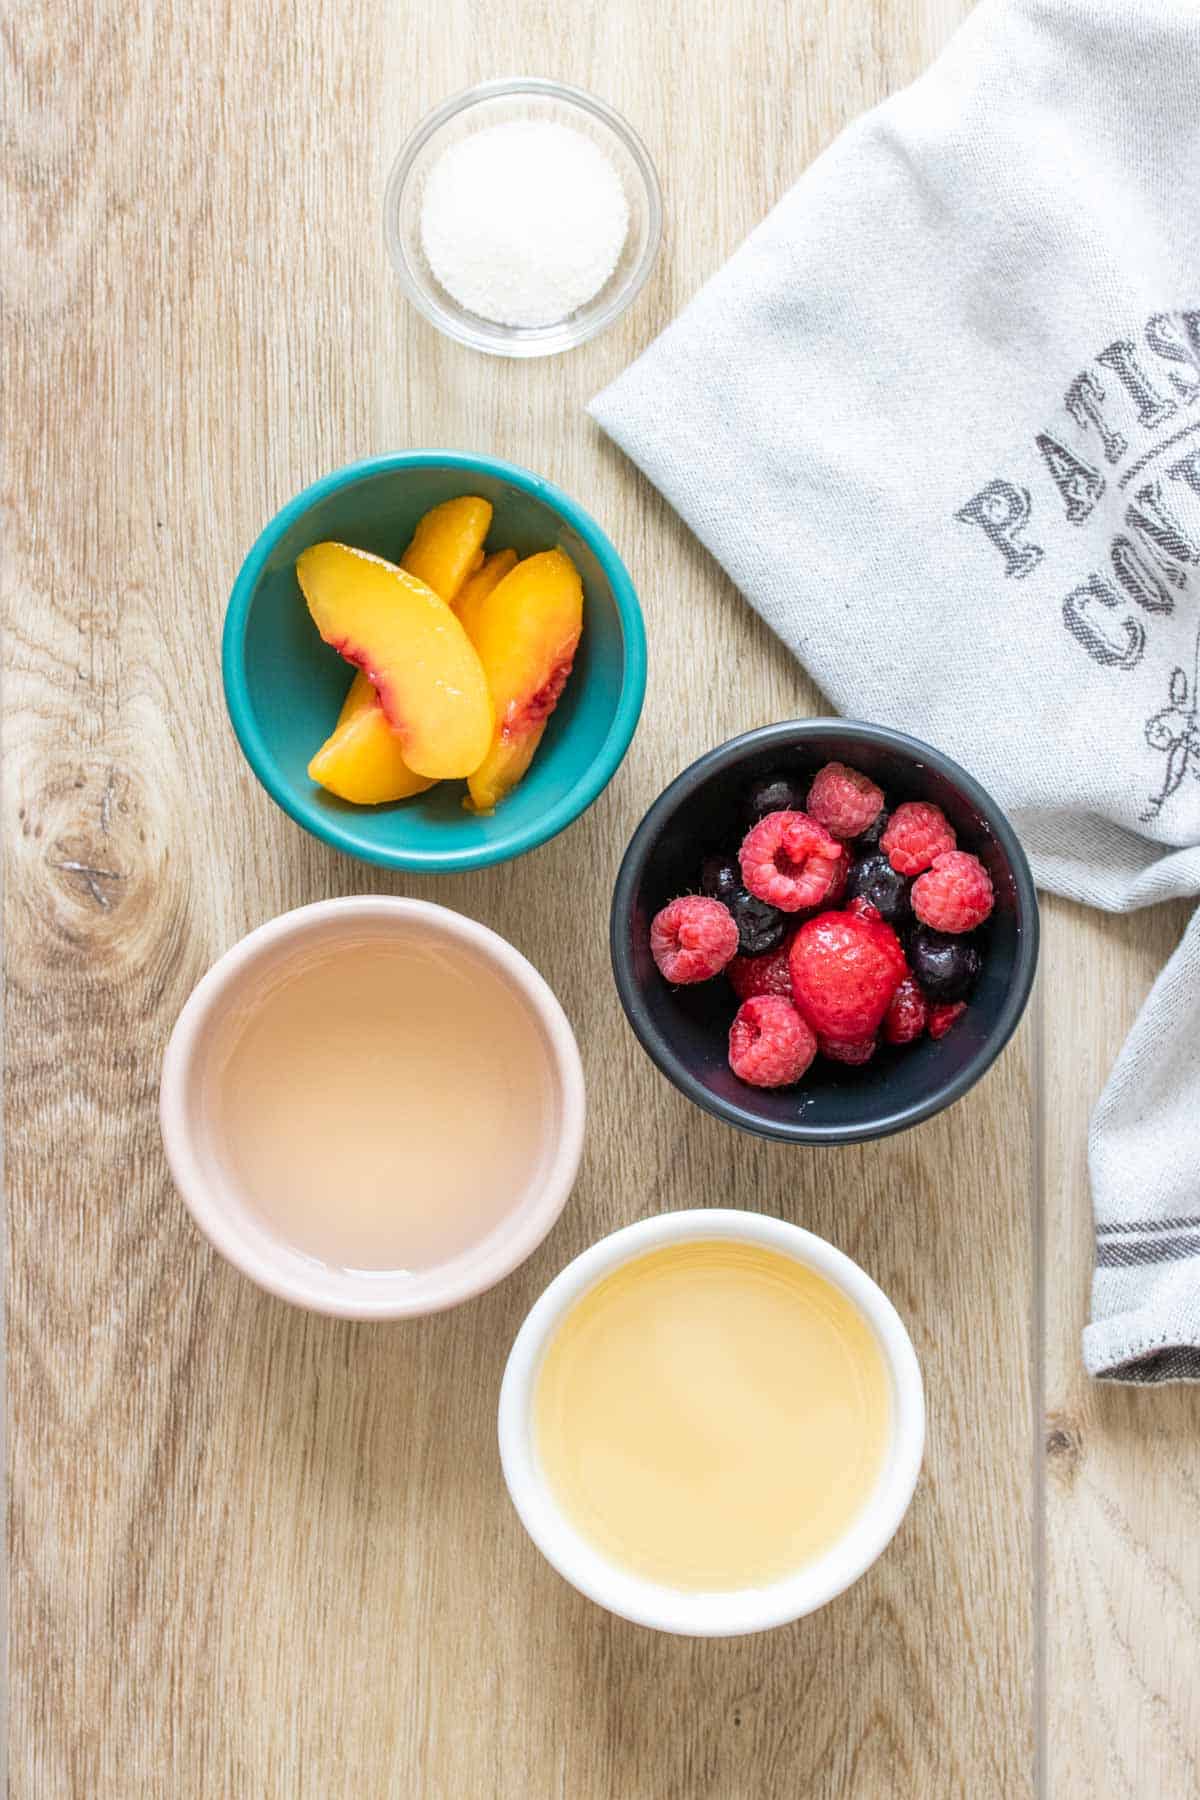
(498, 103)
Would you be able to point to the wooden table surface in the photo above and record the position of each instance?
(256, 1553)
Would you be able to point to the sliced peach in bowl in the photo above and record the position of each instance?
(285, 687)
(447, 544)
(526, 633)
(476, 588)
(362, 759)
(428, 677)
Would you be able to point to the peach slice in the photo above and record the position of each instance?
(361, 760)
(428, 677)
(526, 635)
(476, 588)
(447, 545)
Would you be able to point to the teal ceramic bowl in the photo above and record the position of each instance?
(284, 687)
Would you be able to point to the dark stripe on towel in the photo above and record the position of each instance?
(1126, 1256)
(1140, 1225)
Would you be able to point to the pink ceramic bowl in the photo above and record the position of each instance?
(192, 1125)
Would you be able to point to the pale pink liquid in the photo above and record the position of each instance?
(383, 1106)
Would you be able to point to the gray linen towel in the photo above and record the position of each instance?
(939, 418)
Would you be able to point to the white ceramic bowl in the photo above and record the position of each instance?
(709, 1614)
(191, 1128)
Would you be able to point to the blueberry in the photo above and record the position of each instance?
(875, 830)
(772, 793)
(946, 967)
(720, 877)
(760, 927)
(873, 878)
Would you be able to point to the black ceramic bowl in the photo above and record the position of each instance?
(685, 1030)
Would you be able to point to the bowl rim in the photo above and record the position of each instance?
(791, 732)
(733, 1612)
(486, 336)
(591, 781)
(367, 1297)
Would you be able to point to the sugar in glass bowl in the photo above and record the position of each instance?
(526, 99)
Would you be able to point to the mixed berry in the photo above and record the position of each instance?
(838, 925)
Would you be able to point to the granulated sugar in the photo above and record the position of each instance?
(524, 223)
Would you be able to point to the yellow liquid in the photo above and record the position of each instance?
(713, 1415)
(383, 1105)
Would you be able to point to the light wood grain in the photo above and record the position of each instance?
(255, 1553)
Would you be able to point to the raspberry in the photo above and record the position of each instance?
(860, 908)
(844, 801)
(789, 860)
(854, 1051)
(839, 879)
(845, 969)
(753, 975)
(955, 895)
(941, 1018)
(917, 832)
(906, 1015)
(769, 1043)
(693, 938)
